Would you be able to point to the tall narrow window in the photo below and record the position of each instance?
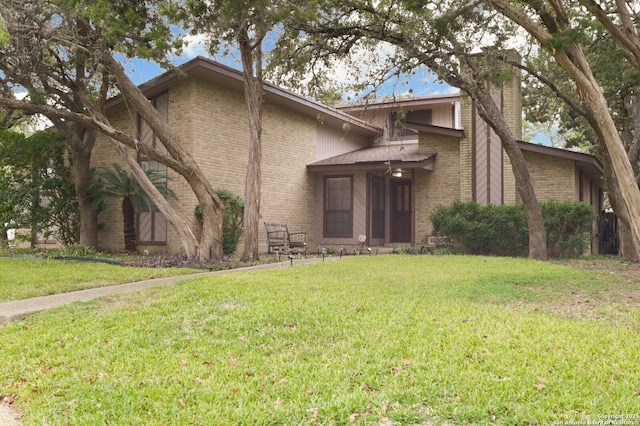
(398, 120)
(151, 224)
(338, 206)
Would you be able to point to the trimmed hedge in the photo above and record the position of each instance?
(503, 230)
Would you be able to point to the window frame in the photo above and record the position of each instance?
(397, 120)
(326, 211)
(142, 159)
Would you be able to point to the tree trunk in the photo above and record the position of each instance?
(253, 180)
(129, 224)
(213, 210)
(82, 140)
(180, 160)
(35, 208)
(625, 177)
(189, 241)
(470, 80)
(626, 245)
(82, 180)
(575, 64)
(628, 249)
(537, 232)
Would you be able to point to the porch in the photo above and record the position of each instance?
(369, 192)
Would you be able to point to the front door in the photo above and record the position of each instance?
(401, 208)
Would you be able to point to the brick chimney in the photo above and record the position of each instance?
(482, 159)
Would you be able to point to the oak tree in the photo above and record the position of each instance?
(97, 35)
(556, 26)
(439, 35)
(242, 24)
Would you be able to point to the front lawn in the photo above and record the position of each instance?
(364, 340)
(24, 278)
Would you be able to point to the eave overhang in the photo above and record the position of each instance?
(380, 158)
(434, 130)
(420, 102)
(587, 163)
(222, 75)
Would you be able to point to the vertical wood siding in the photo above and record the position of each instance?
(334, 141)
(481, 153)
(488, 160)
(359, 205)
(442, 116)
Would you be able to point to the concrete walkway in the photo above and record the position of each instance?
(19, 309)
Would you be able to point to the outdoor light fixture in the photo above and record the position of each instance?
(291, 257)
(397, 173)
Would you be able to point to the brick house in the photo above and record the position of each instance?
(377, 170)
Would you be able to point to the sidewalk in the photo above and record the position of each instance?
(19, 309)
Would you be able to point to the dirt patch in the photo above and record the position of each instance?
(619, 270)
(8, 416)
(619, 278)
(619, 290)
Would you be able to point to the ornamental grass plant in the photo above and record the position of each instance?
(384, 340)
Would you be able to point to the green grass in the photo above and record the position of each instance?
(24, 278)
(363, 340)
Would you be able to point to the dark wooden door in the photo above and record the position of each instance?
(401, 208)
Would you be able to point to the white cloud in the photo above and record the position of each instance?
(194, 45)
(33, 123)
(371, 64)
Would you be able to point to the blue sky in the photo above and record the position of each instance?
(420, 84)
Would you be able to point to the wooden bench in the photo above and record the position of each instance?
(281, 241)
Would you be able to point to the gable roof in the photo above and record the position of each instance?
(419, 102)
(377, 158)
(587, 163)
(219, 74)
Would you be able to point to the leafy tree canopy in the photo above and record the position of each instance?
(36, 190)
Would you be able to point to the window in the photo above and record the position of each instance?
(338, 207)
(398, 120)
(151, 225)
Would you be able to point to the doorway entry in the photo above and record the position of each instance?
(401, 208)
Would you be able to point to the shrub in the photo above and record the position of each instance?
(410, 250)
(483, 230)
(172, 261)
(569, 227)
(36, 186)
(232, 226)
(503, 230)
